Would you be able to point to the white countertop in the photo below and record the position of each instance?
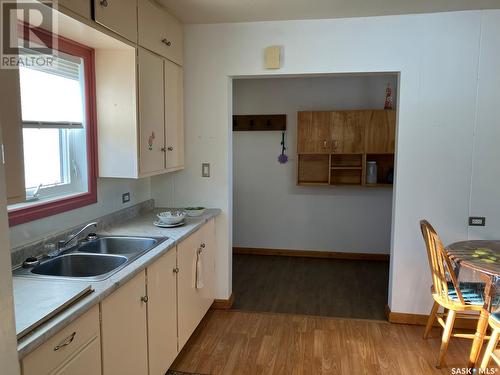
(138, 226)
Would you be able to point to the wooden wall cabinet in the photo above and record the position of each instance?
(162, 313)
(159, 31)
(75, 350)
(193, 303)
(124, 329)
(119, 16)
(334, 146)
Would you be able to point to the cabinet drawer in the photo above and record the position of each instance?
(64, 344)
(159, 31)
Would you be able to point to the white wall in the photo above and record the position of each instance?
(485, 194)
(109, 199)
(438, 57)
(270, 211)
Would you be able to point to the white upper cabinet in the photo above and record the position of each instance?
(174, 116)
(80, 7)
(119, 16)
(159, 31)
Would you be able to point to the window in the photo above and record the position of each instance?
(57, 105)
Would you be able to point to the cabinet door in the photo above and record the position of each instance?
(337, 125)
(123, 330)
(313, 132)
(174, 121)
(381, 132)
(81, 7)
(151, 113)
(208, 248)
(119, 16)
(85, 362)
(353, 134)
(12, 135)
(192, 302)
(159, 31)
(162, 313)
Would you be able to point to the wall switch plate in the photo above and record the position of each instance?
(205, 170)
(477, 221)
(125, 197)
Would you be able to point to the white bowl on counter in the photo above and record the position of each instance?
(171, 217)
(195, 211)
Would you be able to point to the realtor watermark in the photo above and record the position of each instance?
(28, 33)
(474, 371)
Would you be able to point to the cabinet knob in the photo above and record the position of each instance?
(104, 3)
(163, 149)
(170, 148)
(202, 245)
(145, 299)
(325, 144)
(167, 42)
(176, 270)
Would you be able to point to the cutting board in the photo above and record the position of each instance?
(38, 300)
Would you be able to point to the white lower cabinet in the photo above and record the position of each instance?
(123, 329)
(143, 324)
(75, 350)
(162, 313)
(194, 302)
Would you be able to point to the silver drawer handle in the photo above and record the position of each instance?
(167, 42)
(145, 299)
(170, 148)
(68, 340)
(104, 3)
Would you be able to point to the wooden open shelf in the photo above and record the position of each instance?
(347, 160)
(313, 169)
(346, 177)
(385, 164)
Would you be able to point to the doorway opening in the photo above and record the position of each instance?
(312, 229)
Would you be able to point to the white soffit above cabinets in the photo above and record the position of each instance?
(220, 11)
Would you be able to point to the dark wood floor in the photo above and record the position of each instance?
(252, 343)
(310, 286)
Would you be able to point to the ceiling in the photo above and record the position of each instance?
(220, 11)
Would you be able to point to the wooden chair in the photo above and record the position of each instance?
(489, 353)
(447, 292)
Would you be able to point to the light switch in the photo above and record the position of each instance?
(205, 170)
(272, 57)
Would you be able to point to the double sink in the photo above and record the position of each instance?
(95, 259)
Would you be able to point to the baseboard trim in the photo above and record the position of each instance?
(223, 304)
(421, 319)
(311, 254)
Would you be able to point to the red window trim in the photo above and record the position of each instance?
(41, 210)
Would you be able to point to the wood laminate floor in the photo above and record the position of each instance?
(252, 343)
(310, 286)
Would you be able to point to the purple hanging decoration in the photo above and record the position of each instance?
(283, 158)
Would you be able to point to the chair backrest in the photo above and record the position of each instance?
(439, 263)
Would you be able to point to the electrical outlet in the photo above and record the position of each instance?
(125, 197)
(205, 170)
(477, 221)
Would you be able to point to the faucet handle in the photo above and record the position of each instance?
(61, 244)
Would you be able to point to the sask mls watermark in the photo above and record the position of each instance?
(28, 33)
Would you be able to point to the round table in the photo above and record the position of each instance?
(482, 256)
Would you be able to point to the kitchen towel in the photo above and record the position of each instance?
(199, 270)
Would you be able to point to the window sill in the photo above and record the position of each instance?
(29, 211)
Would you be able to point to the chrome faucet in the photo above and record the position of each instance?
(61, 245)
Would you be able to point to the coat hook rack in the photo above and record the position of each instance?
(259, 122)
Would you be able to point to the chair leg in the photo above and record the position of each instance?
(431, 319)
(492, 344)
(445, 340)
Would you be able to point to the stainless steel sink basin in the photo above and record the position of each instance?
(79, 265)
(93, 260)
(118, 245)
